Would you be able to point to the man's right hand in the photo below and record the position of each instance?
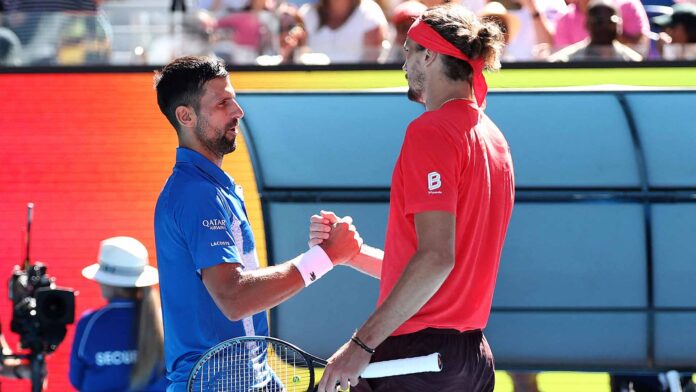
(336, 236)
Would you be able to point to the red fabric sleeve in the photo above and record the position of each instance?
(431, 165)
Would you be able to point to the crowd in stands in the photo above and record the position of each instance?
(271, 32)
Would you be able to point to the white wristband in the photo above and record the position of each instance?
(312, 264)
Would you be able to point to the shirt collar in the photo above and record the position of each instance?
(184, 154)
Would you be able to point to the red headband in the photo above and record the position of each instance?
(428, 38)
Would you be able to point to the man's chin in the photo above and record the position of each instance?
(415, 96)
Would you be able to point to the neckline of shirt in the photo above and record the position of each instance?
(184, 154)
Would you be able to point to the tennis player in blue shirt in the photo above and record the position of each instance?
(211, 285)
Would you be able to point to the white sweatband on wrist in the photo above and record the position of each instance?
(372, 252)
(312, 264)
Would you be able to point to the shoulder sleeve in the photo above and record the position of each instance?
(634, 18)
(561, 38)
(372, 15)
(77, 363)
(431, 164)
(203, 218)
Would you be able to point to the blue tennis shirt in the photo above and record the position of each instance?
(200, 221)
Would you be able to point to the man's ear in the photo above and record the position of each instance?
(430, 56)
(186, 116)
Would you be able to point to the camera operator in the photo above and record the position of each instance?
(121, 344)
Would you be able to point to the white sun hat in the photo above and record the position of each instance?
(123, 262)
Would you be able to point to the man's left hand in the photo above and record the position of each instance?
(344, 368)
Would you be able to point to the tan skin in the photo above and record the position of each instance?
(677, 34)
(434, 258)
(239, 293)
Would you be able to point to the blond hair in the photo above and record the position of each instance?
(150, 337)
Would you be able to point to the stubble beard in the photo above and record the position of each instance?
(415, 88)
(219, 145)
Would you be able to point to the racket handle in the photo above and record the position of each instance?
(397, 367)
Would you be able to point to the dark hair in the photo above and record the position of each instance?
(180, 83)
(474, 37)
(323, 11)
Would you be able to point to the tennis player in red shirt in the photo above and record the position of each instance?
(451, 199)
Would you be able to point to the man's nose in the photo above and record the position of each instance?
(238, 109)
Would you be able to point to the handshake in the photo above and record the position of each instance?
(336, 236)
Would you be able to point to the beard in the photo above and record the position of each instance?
(415, 88)
(415, 96)
(218, 143)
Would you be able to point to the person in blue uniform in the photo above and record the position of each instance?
(119, 347)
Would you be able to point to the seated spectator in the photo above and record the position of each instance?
(604, 26)
(60, 31)
(247, 33)
(679, 32)
(402, 18)
(120, 346)
(508, 23)
(537, 20)
(193, 39)
(292, 33)
(347, 31)
(571, 27)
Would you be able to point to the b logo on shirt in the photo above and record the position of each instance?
(434, 182)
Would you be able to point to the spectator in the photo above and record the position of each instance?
(571, 27)
(60, 31)
(292, 32)
(121, 344)
(679, 32)
(347, 31)
(194, 38)
(537, 20)
(604, 26)
(402, 18)
(509, 24)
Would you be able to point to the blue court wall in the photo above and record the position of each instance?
(600, 258)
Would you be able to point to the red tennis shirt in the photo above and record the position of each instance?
(453, 159)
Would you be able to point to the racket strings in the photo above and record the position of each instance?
(253, 366)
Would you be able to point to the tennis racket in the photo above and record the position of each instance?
(265, 364)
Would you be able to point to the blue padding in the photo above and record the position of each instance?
(323, 316)
(327, 140)
(665, 122)
(559, 140)
(675, 345)
(566, 139)
(674, 250)
(568, 339)
(573, 255)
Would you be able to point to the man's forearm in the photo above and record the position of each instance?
(368, 261)
(259, 290)
(419, 281)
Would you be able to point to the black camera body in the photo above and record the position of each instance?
(41, 311)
